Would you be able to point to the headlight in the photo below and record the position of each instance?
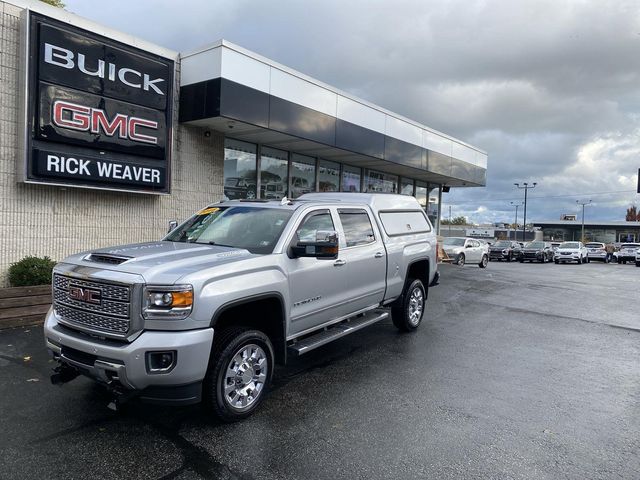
(167, 302)
(504, 252)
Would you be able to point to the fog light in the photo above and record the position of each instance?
(160, 362)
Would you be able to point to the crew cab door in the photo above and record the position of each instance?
(317, 286)
(365, 257)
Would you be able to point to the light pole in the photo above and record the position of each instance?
(449, 220)
(526, 187)
(583, 205)
(515, 228)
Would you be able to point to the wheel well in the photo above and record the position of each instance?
(418, 269)
(264, 314)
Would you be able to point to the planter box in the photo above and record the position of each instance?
(21, 306)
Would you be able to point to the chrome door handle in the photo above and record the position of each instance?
(339, 263)
(379, 255)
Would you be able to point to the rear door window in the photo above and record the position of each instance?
(357, 227)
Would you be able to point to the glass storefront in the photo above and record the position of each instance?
(406, 186)
(351, 178)
(274, 172)
(381, 182)
(328, 176)
(303, 175)
(291, 174)
(239, 169)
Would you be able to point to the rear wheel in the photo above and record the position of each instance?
(484, 262)
(556, 262)
(240, 370)
(407, 312)
(637, 264)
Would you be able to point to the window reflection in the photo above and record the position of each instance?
(381, 182)
(406, 186)
(350, 179)
(328, 176)
(273, 173)
(239, 169)
(421, 194)
(303, 175)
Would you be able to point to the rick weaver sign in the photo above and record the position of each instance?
(98, 111)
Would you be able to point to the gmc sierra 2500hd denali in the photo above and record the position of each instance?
(205, 313)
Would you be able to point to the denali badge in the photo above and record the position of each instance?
(86, 295)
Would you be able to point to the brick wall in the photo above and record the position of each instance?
(45, 220)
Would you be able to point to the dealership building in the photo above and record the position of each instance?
(105, 138)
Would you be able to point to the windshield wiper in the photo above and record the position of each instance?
(219, 244)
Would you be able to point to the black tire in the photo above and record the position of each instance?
(460, 260)
(484, 262)
(403, 310)
(557, 262)
(588, 259)
(230, 342)
(637, 264)
(521, 260)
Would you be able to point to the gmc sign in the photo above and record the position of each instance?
(99, 111)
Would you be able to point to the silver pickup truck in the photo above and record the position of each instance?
(207, 312)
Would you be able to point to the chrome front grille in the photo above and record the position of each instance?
(110, 312)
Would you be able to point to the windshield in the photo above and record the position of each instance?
(570, 245)
(254, 229)
(502, 243)
(454, 242)
(534, 245)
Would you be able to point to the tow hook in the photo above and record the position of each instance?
(120, 397)
(63, 373)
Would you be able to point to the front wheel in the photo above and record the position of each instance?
(637, 264)
(556, 262)
(484, 262)
(460, 259)
(408, 311)
(240, 370)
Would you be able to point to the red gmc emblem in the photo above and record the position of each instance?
(87, 295)
(86, 119)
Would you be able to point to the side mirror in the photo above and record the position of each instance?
(172, 226)
(324, 246)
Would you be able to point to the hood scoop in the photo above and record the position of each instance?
(107, 258)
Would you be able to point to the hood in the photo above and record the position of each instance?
(160, 262)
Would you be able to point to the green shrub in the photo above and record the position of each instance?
(31, 271)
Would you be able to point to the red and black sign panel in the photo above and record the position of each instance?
(100, 111)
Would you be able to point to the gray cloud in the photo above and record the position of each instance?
(549, 89)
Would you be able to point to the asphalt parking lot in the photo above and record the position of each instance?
(519, 371)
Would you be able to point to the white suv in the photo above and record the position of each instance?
(571, 252)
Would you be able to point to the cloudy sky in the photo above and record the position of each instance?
(550, 89)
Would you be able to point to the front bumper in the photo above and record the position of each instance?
(116, 363)
(567, 258)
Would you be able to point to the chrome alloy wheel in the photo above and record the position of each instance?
(416, 305)
(245, 377)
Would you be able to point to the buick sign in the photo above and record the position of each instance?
(99, 112)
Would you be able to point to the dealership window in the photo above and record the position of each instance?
(421, 194)
(406, 186)
(381, 182)
(328, 176)
(239, 169)
(303, 175)
(433, 205)
(274, 172)
(351, 178)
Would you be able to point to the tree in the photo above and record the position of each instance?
(632, 214)
(454, 221)
(55, 3)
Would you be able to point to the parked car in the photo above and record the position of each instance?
(504, 250)
(572, 252)
(463, 250)
(627, 252)
(638, 258)
(536, 251)
(238, 188)
(555, 246)
(597, 251)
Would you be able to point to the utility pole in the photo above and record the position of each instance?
(525, 186)
(515, 224)
(449, 220)
(583, 205)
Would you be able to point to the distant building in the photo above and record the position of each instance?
(607, 232)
